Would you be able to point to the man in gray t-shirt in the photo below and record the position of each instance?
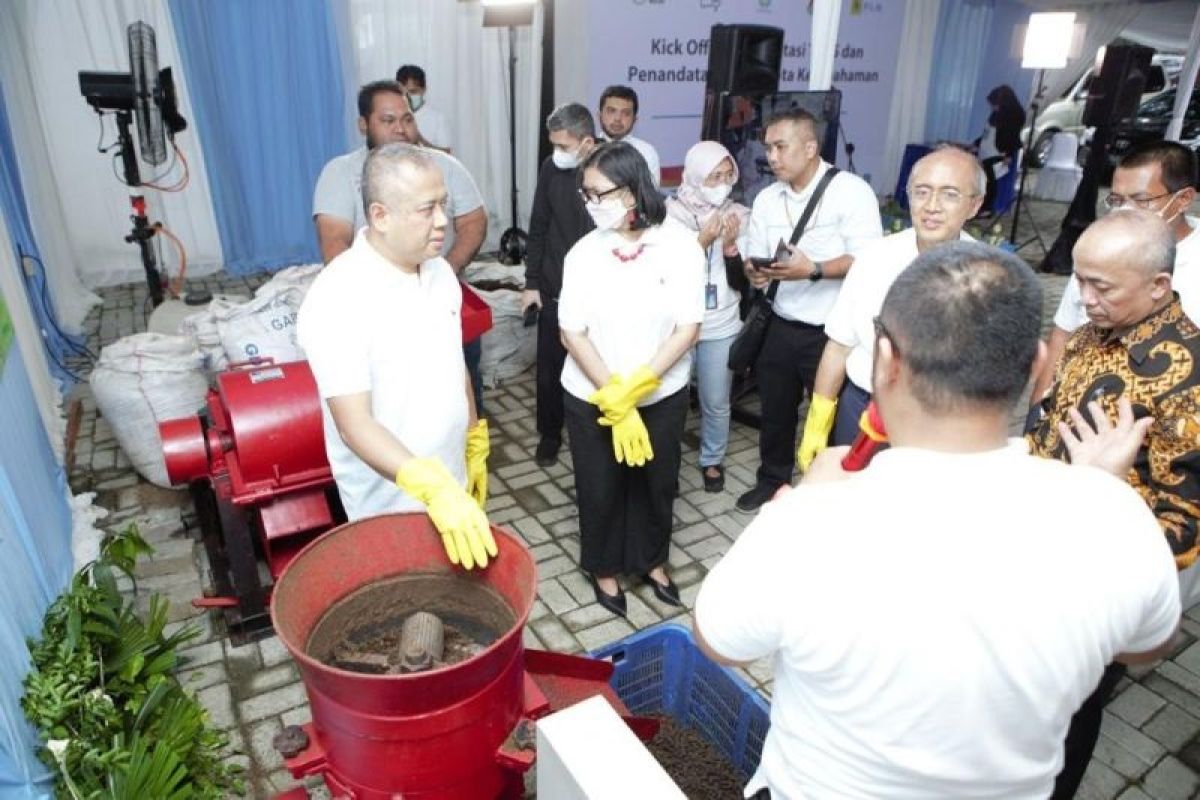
(385, 117)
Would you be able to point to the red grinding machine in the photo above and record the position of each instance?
(462, 731)
(256, 465)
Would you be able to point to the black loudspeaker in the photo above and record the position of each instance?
(1116, 90)
(743, 60)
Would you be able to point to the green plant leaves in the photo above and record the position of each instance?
(101, 682)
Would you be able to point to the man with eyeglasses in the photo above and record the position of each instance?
(383, 335)
(844, 221)
(1137, 357)
(945, 189)
(1158, 177)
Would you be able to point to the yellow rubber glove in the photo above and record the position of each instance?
(621, 395)
(459, 519)
(821, 413)
(478, 448)
(631, 440)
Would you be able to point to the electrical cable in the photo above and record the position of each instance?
(160, 229)
(43, 295)
(182, 182)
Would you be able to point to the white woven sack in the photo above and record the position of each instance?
(300, 276)
(263, 328)
(142, 380)
(202, 328)
(509, 348)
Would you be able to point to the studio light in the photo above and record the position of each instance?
(506, 13)
(1048, 40)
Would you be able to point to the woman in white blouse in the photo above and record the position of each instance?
(630, 310)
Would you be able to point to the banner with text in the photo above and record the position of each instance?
(660, 49)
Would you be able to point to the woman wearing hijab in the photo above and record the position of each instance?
(630, 309)
(702, 204)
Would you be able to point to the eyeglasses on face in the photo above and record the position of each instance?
(1115, 201)
(948, 196)
(881, 330)
(592, 196)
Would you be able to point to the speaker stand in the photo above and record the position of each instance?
(1034, 108)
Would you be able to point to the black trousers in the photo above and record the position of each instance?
(1083, 733)
(625, 513)
(786, 368)
(550, 358)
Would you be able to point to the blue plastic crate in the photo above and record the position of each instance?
(660, 670)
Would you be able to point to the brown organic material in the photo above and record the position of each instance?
(362, 631)
(692, 762)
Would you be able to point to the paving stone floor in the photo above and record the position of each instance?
(1150, 743)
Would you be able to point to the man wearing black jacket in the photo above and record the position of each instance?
(557, 222)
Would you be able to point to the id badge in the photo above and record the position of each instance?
(710, 297)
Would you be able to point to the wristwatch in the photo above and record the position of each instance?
(817, 273)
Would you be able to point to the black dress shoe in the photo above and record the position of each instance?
(615, 603)
(668, 594)
(754, 499)
(546, 454)
(712, 485)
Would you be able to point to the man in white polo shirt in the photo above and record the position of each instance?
(1160, 177)
(382, 333)
(844, 221)
(935, 642)
(945, 189)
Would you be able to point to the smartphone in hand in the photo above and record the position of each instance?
(758, 264)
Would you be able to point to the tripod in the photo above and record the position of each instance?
(1034, 107)
(142, 231)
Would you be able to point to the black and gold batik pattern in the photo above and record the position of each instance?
(1156, 363)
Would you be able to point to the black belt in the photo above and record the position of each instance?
(795, 323)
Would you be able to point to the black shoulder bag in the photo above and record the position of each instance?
(743, 353)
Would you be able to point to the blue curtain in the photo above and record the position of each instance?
(16, 214)
(960, 47)
(265, 80)
(35, 565)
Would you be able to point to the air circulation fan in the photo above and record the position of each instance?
(149, 93)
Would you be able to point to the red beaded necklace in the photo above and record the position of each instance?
(627, 258)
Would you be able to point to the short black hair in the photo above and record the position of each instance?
(965, 319)
(622, 164)
(366, 95)
(1177, 161)
(795, 114)
(621, 93)
(411, 72)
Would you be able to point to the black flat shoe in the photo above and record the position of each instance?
(614, 603)
(713, 485)
(546, 454)
(668, 594)
(754, 499)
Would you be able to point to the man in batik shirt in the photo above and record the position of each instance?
(1138, 347)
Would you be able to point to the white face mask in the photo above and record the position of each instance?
(415, 101)
(607, 214)
(1171, 219)
(715, 195)
(564, 160)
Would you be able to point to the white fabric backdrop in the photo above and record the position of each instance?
(826, 14)
(73, 193)
(906, 121)
(29, 341)
(466, 68)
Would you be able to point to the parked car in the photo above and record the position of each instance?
(1066, 114)
(1148, 125)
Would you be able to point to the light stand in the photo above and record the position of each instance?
(509, 14)
(1034, 108)
(1047, 43)
(142, 232)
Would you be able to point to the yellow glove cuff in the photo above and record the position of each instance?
(478, 442)
(821, 412)
(424, 477)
